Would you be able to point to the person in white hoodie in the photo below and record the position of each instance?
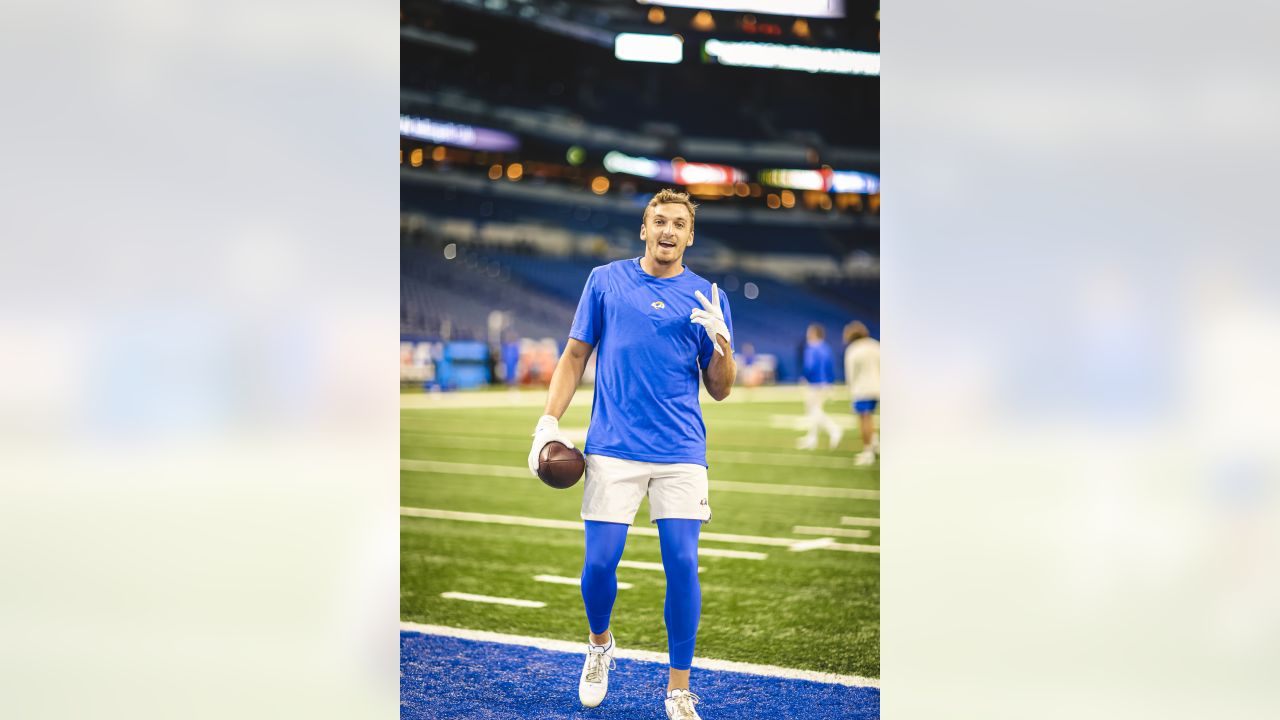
(862, 371)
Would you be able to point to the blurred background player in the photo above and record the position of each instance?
(511, 359)
(654, 332)
(819, 373)
(862, 370)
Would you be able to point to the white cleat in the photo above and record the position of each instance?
(593, 685)
(807, 443)
(864, 458)
(836, 435)
(680, 704)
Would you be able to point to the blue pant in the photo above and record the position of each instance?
(679, 542)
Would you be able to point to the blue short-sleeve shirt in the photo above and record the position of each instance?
(648, 357)
(818, 369)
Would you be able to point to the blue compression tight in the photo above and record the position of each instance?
(605, 541)
(679, 542)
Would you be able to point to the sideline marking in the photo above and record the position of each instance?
(789, 543)
(493, 600)
(452, 468)
(643, 655)
(869, 522)
(576, 582)
(836, 532)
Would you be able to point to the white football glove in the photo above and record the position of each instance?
(710, 317)
(548, 430)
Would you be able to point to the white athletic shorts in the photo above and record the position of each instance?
(614, 489)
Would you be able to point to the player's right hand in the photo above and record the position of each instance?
(548, 430)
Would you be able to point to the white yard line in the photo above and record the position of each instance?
(784, 459)
(643, 655)
(823, 542)
(452, 468)
(789, 543)
(834, 532)
(463, 442)
(576, 582)
(830, 544)
(493, 600)
(796, 490)
(492, 519)
(578, 435)
(506, 471)
(868, 522)
(638, 565)
(739, 554)
(446, 439)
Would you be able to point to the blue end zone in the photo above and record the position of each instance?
(443, 677)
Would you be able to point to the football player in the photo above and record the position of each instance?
(862, 371)
(818, 376)
(654, 329)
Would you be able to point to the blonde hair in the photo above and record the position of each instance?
(667, 196)
(855, 331)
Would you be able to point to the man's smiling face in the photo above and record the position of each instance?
(667, 231)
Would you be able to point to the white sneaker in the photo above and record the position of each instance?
(866, 457)
(593, 685)
(807, 443)
(836, 435)
(680, 704)
(875, 443)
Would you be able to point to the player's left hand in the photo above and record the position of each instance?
(711, 317)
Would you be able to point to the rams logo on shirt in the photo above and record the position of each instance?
(658, 305)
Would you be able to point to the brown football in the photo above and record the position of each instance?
(560, 466)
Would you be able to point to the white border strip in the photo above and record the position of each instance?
(493, 600)
(643, 655)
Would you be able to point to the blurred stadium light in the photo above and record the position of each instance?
(638, 47)
(802, 8)
(457, 134)
(792, 57)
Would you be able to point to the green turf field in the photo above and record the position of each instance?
(817, 609)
